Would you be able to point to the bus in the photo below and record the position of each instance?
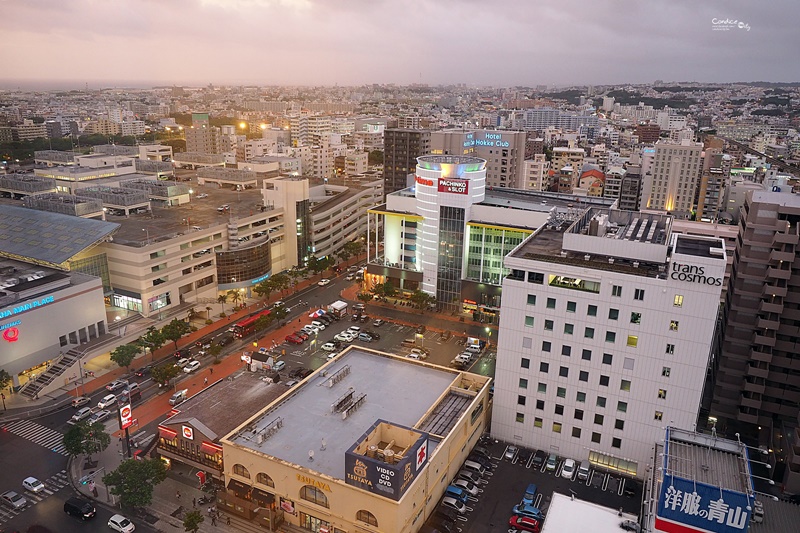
(247, 326)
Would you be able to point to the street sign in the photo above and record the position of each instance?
(125, 416)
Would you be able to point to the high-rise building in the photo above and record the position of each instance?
(714, 180)
(203, 140)
(535, 174)
(648, 133)
(605, 335)
(309, 129)
(504, 152)
(401, 149)
(757, 382)
(676, 174)
(568, 157)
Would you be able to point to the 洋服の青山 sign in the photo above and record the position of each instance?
(692, 274)
(453, 186)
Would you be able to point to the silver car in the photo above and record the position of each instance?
(13, 500)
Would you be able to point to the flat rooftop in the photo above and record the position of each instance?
(398, 391)
(707, 459)
(699, 247)
(540, 201)
(568, 515)
(228, 403)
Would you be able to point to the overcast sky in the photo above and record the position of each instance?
(347, 42)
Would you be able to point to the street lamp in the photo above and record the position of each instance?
(488, 336)
(147, 232)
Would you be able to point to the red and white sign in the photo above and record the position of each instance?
(188, 433)
(453, 186)
(423, 181)
(125, 416)
(422, 455)
(247, 359)
(11, 334)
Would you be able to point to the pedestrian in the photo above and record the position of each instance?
(211, 370)
(178, 495)
(194, 503)
(228, 521)
(205, 381)
(213, 520)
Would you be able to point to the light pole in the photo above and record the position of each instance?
(488, 336)
(147, 232)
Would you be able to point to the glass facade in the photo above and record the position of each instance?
(243, 264)
(96, 265)
(303, 223)
(451, 253)
(487, 248)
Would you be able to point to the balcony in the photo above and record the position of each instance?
(786, 238)
(779, 273)
(774, 290)
(778, 255)
(767, 307)
(750, 403)
(747, 418)
(757, 372)
(765, 323)
(753, 387)
(764, 340)
(761, 357)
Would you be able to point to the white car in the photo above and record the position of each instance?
(416, 353)
(311, 330)
(568, 469)
(182, 362)
(121, 524)
(343, 337)
(329, 347)
(107, 401)
(81, 414)
(32, 484)
(332, 355)
(323, 282)
(317, 324)
(201, 195)
(354, 330)
(191, 367)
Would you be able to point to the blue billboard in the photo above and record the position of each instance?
(685, 506)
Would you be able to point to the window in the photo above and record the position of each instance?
(598, 419)
(633, 341)
(561, 392)
(665, 371)
(659, 415)
(520, 399)
(563, 372)
(673, 325)
(367, 517)
(604, 380)
(527, 342)
(607, 358)
(601, 401)
(619, 424)
(580, 397)
(591, 310)
(611, 336)
(314, 495)
(240, 470)
(548, 325)
(595, 437)
(588, 333)
(525, 363)
(636, 318)
(521, 418)
(540, 405)
(583, 376)
(523, 383)
(576, 432)
(541, 388)
(613, 314)
(264, 479)
(625, 385)
(616, 290)
(551, 303)
(571, 307)
(616, 442)
(546, 345)
(586, 355)
(556, 427)
(559, 409)
(531, 299)
(678, 300)
(566, 350)
(528, 321)
(536, 277)
(568, 329)
(578, 414)
(662, 394)
(544, 367)
(638, 294)
(537, 422)
(622, 407)
(670, 349)
(627, 364)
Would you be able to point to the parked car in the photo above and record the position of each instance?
(99, 416)
(13, 500)
(317, 324)
(201, 196)
(32, 484)
(530, 494)
(107, 401)
(480, 450)
(291, 383)
(121, 524)
(280, 365)
(552, 462)
(630, 525)
(511, 453)
(378, 323)
(468, 486)
(528, 510)
(523, 455)
(224, 207)
(328, 347)
(302, 334)
(344, 337)
(539, 457)
(331, 355)
(311, 330)
(80, 401)
(191, 367)
(363, 337)
(354, 330)
(584, 469)
(568, 470)
(323, 282)
(372, 334)
(116, 385)
(469, 475)
(456, 492)
(293, 339)
(524, 523)
(452, 503)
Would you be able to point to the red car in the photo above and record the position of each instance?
(523, 523)
(302, 334)
(294, 339)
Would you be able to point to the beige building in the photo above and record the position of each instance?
(203, 140)
(568, 157)
(536, 174)
(675, 176)
(379, 439)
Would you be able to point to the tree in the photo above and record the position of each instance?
(5, 379)
(164, 373)
(152, 339)
(279, 313)
(73, 440)
(215, 350)
(344, 254)
(354, 248)
(192, 315)
(264, 288)
(134, 481)
(422, 299)
(235, 296)
(316, 265)
(364, 296)
(222, 299)
(192, 521)
(175, 330)
(263, 322)
(281, 281)
(85, 438)
(295, 273)
(375, 157)
(125, 354)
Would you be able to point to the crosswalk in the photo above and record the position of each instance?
(49, 438)
(53, 484)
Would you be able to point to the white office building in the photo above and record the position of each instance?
(605, 335)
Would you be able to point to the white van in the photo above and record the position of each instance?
(317, 324)
(473, 348)
(475, 467)
(583, 470)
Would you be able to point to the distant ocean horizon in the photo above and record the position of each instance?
(80, 85)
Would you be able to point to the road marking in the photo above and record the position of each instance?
(43, 436)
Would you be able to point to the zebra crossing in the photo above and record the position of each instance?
(46, 437)
(53, 484)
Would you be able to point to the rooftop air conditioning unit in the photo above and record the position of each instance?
(587, 257)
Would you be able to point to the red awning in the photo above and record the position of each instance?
(210, 448)
(167, 433)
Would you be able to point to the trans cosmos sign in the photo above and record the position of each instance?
(685, 506)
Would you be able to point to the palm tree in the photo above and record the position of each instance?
(208, 312)
(222, 299)
(192, 315)
(235, 297)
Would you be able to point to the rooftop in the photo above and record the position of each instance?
(377, 385)
(567, 514)
(707, 459)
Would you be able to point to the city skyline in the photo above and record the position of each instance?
(309, 42)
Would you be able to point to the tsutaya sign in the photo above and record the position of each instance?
(692, 274)
(453, 186)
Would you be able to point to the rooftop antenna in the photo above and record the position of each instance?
(311, 455)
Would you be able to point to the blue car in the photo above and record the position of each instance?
(530, 494)
(456, 492)
(528, 510)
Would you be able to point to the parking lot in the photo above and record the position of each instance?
(504, 487)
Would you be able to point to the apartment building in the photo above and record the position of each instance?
(535, 174)
(568, 157)
(504, 152)
(605, 336)
(402, 147)
(675, 177)
(203, 140)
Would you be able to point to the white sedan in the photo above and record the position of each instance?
(191, 367)
(323, 282)
(344, 337)
(32, 484)
(121, 524)
(182, 362)
(329, 347)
